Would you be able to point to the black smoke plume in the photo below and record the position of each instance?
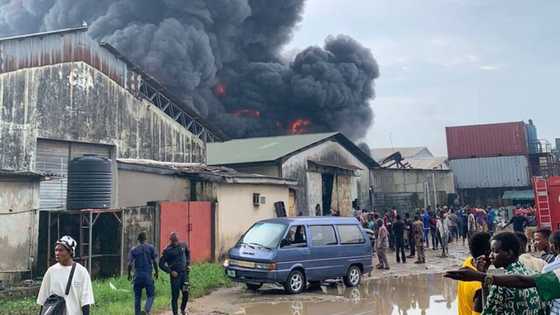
(222, 58)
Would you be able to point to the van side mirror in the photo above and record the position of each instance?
(284, 242)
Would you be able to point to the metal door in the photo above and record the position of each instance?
(200, 230)
(192, 221)
(52, 159)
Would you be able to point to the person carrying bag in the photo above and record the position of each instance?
(55, 304)
(66, 288)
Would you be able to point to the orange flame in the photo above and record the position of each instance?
(250, 113)
(299, 126)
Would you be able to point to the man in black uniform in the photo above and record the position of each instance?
(175, 260)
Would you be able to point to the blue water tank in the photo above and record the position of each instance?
(90, 183)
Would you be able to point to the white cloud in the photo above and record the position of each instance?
(489, 67)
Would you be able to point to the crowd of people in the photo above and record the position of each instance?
(436, 227)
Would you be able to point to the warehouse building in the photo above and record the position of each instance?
(331, 171)
(411, 178)
(63, 95)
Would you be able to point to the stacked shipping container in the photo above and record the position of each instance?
(489, 156)
(477, 141)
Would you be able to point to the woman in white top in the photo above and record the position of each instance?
(80, 295)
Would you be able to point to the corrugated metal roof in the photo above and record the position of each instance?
(493, 172)
(437, 163)
(265, 149)
(75, 45)
(11, 173)
(210, 173)
(380, 154)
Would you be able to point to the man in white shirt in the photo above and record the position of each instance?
(80, 296)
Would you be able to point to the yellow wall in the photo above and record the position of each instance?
(235, 212)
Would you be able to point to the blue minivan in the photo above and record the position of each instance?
(298, 250)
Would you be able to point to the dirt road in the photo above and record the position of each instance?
(408, 287)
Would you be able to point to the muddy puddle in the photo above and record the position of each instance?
(420, 294)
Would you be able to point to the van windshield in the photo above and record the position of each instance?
(265, 234)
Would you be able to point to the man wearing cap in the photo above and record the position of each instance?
(175, 260)
(55, 280)
(143, 258)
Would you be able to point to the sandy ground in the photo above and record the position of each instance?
(232, 300)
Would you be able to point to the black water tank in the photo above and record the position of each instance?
(90, 183)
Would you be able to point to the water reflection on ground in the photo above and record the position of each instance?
(421, 294)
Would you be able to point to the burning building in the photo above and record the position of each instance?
(63, 95)
(222, 58)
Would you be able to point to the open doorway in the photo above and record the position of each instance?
(327, 181)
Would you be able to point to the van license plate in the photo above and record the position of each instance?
(231, 273)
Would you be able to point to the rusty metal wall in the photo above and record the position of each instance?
(50, 49)
(478, 141)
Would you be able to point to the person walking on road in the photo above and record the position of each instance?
(143, 259)
(418, 232)
(453, 226)
(443, 233)
(411, 241)
(398, 230)
(434, 230)
(381, 245)
(471, 224)
(491, 216)
(175, 260)
(519, 222)
(426, 222)
(66, 279)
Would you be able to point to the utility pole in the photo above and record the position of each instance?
(435, 189)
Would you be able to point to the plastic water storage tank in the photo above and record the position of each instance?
(90, 183)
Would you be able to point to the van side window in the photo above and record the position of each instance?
(296, 237)
(322, 235)
(350, 234)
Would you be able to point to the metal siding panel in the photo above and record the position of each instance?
(52, 159)
(493, 172)
(506, 139)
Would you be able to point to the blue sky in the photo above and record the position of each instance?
(449, 62)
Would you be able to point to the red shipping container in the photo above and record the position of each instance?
(476, 141)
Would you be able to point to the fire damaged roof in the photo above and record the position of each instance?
(201, 172)
(268, 149)
(406, 152)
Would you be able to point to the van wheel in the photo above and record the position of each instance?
(295, 283)
(253, 286)
(353, 276)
